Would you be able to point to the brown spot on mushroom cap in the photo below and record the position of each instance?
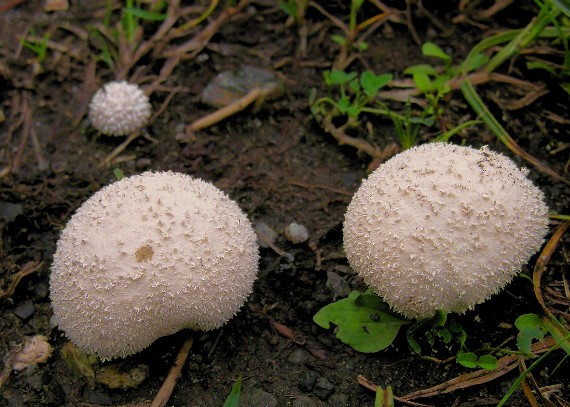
(147, 256)
(144, 253)
(441, 226)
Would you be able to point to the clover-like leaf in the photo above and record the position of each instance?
(530, 328)
(372, 83)
(363, 321)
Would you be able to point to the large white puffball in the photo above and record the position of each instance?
(443, 227)
(147, 256)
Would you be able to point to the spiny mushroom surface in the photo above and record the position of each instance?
(441, 226)
(119, 108)
(147, 256)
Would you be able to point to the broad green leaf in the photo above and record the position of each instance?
(372, 83)
(488, 362)
(421, 68)
(423, 82)
(429, 49)
(233, 397)
(344, 104)
(363, 321)
(445, 335)
(467, 359)
(338, 77)
(566, 87)
(530, 328)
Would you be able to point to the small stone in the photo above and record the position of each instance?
(323, 388)
(265, 235)
(228, 87)
(25, 310)
(298, 356)
(97, 397)
(304, 401)
(307, 381)
(296, 233)
(338, 285)
(9, 211)
(257, 398)
(338, 400)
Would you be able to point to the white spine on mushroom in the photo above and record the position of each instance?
(443, 227)
(147, 256)
(119, 108)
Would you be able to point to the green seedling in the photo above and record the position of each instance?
(434, 82)
(234, 396)
(362, 321)
(533, 327)
(348, 39)
(38, 46)
(294, 8)
(384, 397)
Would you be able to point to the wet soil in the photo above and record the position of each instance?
(281, 167)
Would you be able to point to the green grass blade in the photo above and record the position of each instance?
(144, 14)
(525, 37)
(498, 130)
(558, 332)
(233, 397)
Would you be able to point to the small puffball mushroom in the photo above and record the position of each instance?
(147, 256)
(441, 226)
(119, 108)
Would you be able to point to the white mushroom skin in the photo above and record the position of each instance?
(441, 226)
(147, 256)
(119, 108)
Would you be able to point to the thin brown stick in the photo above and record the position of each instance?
(195, 45)
(167, 387)
(543, 260)
(226, 111)
(26, 130)
(27, 269)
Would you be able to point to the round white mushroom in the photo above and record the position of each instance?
(119, 108)
(147, 256)
(443, 227)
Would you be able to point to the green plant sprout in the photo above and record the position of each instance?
(38, 46)
(296, 10)
(384, 397)
(233, 398)
(358, 95)
(354, 33)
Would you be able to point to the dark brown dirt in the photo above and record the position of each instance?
(280, 166)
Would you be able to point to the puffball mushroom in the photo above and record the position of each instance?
(119, 108)
(147, 256)
(444, 227)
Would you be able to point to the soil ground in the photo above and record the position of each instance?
(280, 166)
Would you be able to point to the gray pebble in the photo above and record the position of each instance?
(307, 380)
(25, 310)
(257, 398)
(323, 388)
(304, 401)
